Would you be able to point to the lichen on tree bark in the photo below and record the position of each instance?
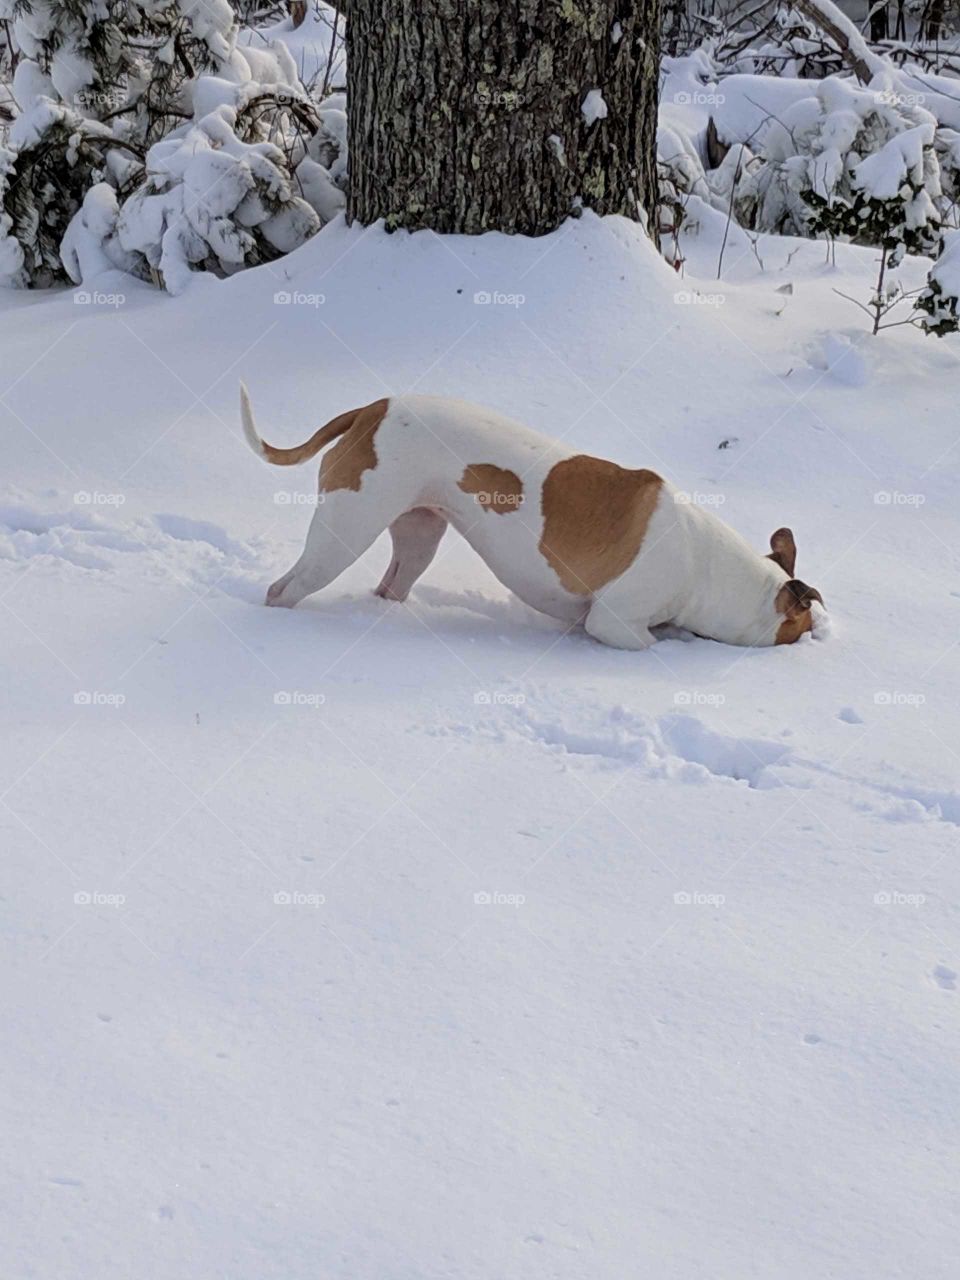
(467, 115)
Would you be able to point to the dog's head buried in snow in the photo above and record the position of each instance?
(576, 537)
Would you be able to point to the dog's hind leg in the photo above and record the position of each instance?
(416, 535)
(341, 530)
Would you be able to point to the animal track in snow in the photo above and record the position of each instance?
(194, 552)
(905, 803)
(184, 529)
(674, 745)
(681, 746)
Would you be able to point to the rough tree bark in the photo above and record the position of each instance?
(468, 115)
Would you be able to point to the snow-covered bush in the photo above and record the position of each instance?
(848, 162)
(72, 62)
(680, 167)
(75, 52)
(322, 172)
(946, 144)
(852, 164)
(213, 151)
(886, 199)
(214, 201)
(680, 175)
(52, 157)
(939, 302)
(689, 90)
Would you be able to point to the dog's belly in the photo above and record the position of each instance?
(510, 548)
(485, 473)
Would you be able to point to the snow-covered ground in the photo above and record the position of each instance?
(391, 942)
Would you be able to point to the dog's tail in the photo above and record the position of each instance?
(300, 452)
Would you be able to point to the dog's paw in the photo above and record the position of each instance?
(276, 591)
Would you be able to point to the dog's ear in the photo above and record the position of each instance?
(795, 597)
(783, 549)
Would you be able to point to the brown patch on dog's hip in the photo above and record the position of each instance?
(595, 516)
(495, 488)
(343, 465)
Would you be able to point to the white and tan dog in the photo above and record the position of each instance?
(574, 536)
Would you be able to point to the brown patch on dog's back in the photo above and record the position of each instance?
(595, 516)
(496, 489)
(343, 465)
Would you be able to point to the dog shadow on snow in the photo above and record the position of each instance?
(473, 615)
(451, 614)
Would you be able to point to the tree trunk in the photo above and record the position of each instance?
(673, 15)
(934, 20)
(879, 23)
(479, 115)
